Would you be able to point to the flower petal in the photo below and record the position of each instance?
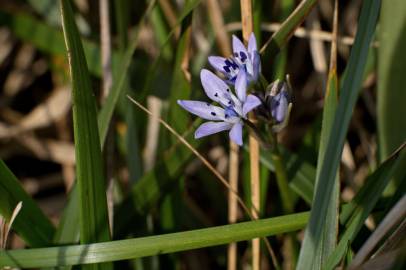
(250, 103)
(256, 63)
(239, 50)
(226, 66)
(209, 128)
(279, 106)
(216, 89)
(252, 43)
(241, 85)
(217, 62)
(236, 133)
(202, 109)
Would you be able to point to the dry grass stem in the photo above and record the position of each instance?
(107, 82)
(186, 56)
(170, 16)
(247, 29)
(105, 41)
(232, 202)
(151, 144)
(216, 19)
(334, 39)
(300, 32)
(317, 49)
(54, 108)
(5, 228)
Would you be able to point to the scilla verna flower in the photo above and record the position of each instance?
(242, 59)
(233, 108)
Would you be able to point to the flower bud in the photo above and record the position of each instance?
(276, 104)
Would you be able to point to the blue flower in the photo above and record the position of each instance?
(233, 110)
(242, 59)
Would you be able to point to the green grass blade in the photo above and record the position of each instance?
(161, 32)
(94, 225)
(361, 206)
(391, 95)
(349, 94)
(328, 235)
(68, 230)
(152, 245)
(31, 224)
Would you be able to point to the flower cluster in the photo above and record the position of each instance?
(241, 70)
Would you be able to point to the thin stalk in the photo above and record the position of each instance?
(282, 180)
(233, 203)
(290, 245)
(217, 21)
(105, 40)
(107, 82)
(247, 29)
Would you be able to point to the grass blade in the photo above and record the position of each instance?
(330, 162)
(68, 229)
(94, 225)
(390, 95)
(152, 245)
(328, 235)
(31, 224)
(363, 203)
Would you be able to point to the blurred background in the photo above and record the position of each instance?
(36, 135)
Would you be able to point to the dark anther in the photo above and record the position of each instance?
(216, 95)
(213, 113)
(243, 56)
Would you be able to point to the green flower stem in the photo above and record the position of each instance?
(287, 202)
(282, 179)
